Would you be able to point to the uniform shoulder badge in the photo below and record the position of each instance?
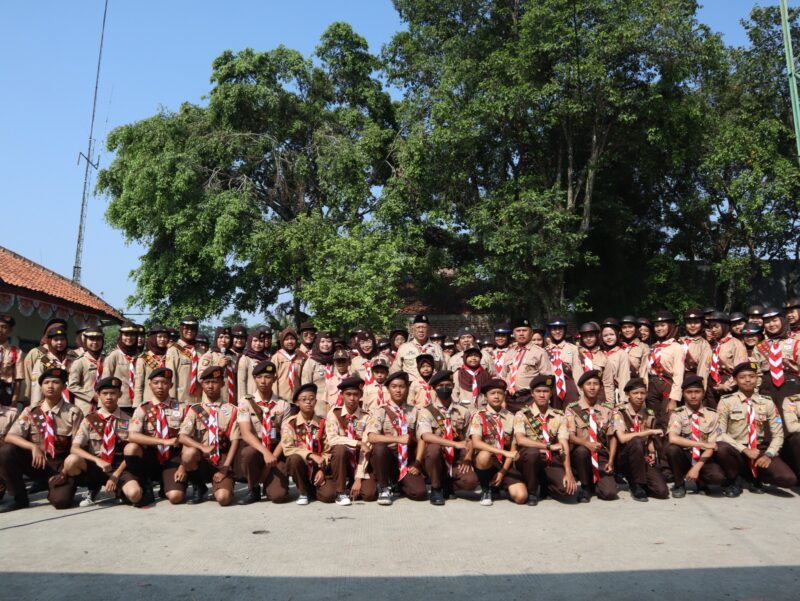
(249, 397)
(574, 405)
(558, 411)
(608, 405)
(676, 410)
(650, 412)
(710, 409)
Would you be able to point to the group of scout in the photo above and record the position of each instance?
(528, 413)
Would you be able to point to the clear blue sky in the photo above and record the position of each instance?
(156, 54)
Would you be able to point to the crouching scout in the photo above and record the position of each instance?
(210, 438)
(96, 457)
(38, 443)
(542, 436)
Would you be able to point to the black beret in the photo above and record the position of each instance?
(212, 372)
(662, 316)
(421, 319)
(109, 382)
(520, 322)
(493, 384)
(160, 372)
(588, 375)
(54, 372)
(425, 357)
(264, 367)
(441, 376)
(8, 320)
(158, 328)
(542, 380)
(398, 375)
(305, 387)
(692, 381)
(350, 382)
(633, 384)
(745, 366)
(502, 328)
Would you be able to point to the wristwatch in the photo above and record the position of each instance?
(770, 454)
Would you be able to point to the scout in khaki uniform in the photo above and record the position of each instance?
(97, 449)
(727, 353)
(693, 431)
(542, 438)
(448, 350)
(318, 368)
(634, 427)
(738, 321)
(55, 355)
(86, 370)
(466, 340)
(289, 363)
(420, 344)
(306, 448)
(398, 338)
(376, 392)
(153, 357)
(183, 361)
(666, 365)
(261, 460)
(492, 433)
(395, 455)
(591, 354)
(210, 438)
(7, 417)
(307, 333)
(752, 335)
(361, 364)
(253, 354)
(526, 360)
(565, 359)
(238, 339)
(38, 442)
(696, 349)
(469, 378)
(750, 436)
(420, 391)
(778, 358)
(638, 352)
(223, 356)
(617, 369)
(12, 370)
(502, 342)
(121, 363)
(791, 309)
(201, 346)
(790, 452)
(644, 329)
(349, 457)
(36, 353)
(341, 370)
(592, 441)
(442, 425)
(755, 314)
(153, 451)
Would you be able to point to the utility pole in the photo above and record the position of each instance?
(76, 270)
(791, 68)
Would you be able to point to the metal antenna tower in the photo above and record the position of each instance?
(76, 270)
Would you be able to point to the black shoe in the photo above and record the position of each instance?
(148, 497)
(622, 483)
(200, 494)
(756, 488)
(533, 500)
(15, 504)
(678, 492)
(437, 497)
(584, 496)
(36, 486)
(254, 496)
(639, 493)
(731, 491)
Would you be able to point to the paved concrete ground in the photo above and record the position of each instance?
(708, 548)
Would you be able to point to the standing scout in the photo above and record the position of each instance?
(153, 357)
(542, 438)
(238, 339)
(12, 372)
(153, 451)
(645, 329)
(183, 361)
(792, 309)
(420, 344)
(7, 416)
(638, 352)
(367, 351)
(121, 363)
(253, 354)
(727, 353)
(442, 426)
(391, 432)
(738, 322)
(470, 377)
(693, 431)
(97, 449)
(54, 355)
(33, 356)
(565, 359)
(665, 374)
(492, 433)
(223, 356)
(526, 360)
(341, 370)
(289, 363)
(376, 393)
(696, 349)
(318, 369)
(307, 333)
(261, 460)
(617, 371)
(750, 436)
(38, 442)
(210, 438)
(87, 370)
(752, 336)
(306, 448)
(592, 356)
(778, 358)
(420, 391)
(349, 457)
(635, 429)
(502, 341)
(592, 441)
(466, 340)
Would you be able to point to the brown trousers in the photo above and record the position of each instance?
(632, 464)
(385, 467)
(535, 471)
(735, 463)
(16, 462)
(249, 465)
(436, 469)
(297, 468)
(571, 395)
(658, 391)
(790, 452)
(149, 468)
(341, 473)
(680, 462)
(94, 478)
(606, 486)
(791, 385)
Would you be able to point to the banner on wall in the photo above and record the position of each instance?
(45, 310)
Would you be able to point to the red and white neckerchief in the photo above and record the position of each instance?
(230, 381)
(213, 434)
(752, 435)
(714, 369)
(427, 388)
(98, 364)
(548, 454)
(310, 436)
(369, 379)
(685, 342)
(558, 371)
(448, 434)
(655, 355)
(162, 431)
(514, 369)
(292, 369)
(637, 424)
(109, 439)
(627, 346)
(381, 399)
(695, 436)
(131, 359)
(496, 430)
(65, 394)
(593, 438)
(588, 360)
(776, 363)
(49, 434)
(474, 375)
(498, 359)
(266, 423)
(351, 434)
(13, 353)
(193, 374)
(398, 420)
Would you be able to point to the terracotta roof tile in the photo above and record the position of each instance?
(19, 272)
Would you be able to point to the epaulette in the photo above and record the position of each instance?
(608, 405)
(574, 405)
(676, 410)
(249, 397)
(650, 412)
(710, 409)
(557, 411)
(727, 396)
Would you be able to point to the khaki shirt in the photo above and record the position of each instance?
(671, 365)
(457, 360)
(420, 393)
(680, 423)
(179, 360)
(732, 412)
(91, 439)
(117, 364)
(142, 424)
(374, 394)
(147, 363)
(532, 360)
(294, 437)
(336, 432)
(30, 360)
(406, 359)
(789, 351)
(638, 354)
(697, 356)
(616, 374)
(625, 418)
(578, 420)
(214, 358)
(570, 359)
(66, 421)
(592, 359)
(526, 421)
(82, 380)
(283, 363)
(492, 418)
(382, 420)
(276, 408)
(43, 363)
(245, 381)
(195, 423)
(731, 353)
(497, 354)
(314, 373)
(7, 417)
(430, 419)
(791, 413)
(12, 363)
(463, 396)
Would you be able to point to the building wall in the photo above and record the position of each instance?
(31, 316)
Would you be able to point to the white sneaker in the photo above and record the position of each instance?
(302, 500)
(87, 502)
(385, 497)
(486, 498)
(343, 499)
